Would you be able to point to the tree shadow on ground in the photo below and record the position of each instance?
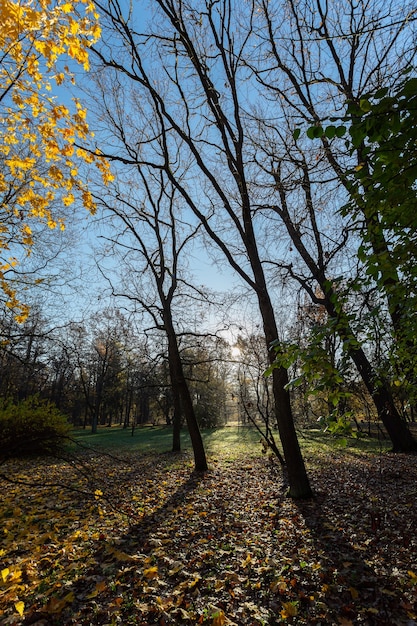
(140, 533)
(355, 592)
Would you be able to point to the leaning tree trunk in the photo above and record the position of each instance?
(299, 485)
(401, 437)
(398, 431)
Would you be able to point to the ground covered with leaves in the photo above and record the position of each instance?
(99, 539)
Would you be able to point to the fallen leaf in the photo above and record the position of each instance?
(20, 607)
(219, 619)
(151, 572)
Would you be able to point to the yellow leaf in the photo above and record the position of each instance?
(15, 576)
(4, 573)
(123, 556)
(194, 582)
(20, 607)
(151, 572)
(68, 200)
(67, 7)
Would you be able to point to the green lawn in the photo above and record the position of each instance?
(229, 441)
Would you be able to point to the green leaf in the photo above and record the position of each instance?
(381, 93)
(365, 105)
(340, 131)
(315, 132)
(296, 133)
(330, 132)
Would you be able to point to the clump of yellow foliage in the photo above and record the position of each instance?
(39, 159)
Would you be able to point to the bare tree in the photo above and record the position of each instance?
(149, 237)
(189, 69)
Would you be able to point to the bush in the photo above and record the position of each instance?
(33, 426)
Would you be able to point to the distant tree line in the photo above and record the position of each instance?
(100, 372)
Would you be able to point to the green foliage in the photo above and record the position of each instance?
(33, 426)
(317, 132)
(314, 365)
(381, 135)
(383, 190)
(337, 425)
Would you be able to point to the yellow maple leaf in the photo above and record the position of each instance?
(20, 607)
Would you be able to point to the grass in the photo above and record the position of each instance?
(231, 441)
(146, 439)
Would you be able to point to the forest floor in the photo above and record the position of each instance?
(105, 538)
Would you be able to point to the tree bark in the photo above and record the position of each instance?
(299, 485)
(398, 431)
(176, 422)
(180, 388)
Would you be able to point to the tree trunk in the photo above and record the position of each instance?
(401, 437)
(299, 485)
(398, 431)
(176, 422)
(180, 388)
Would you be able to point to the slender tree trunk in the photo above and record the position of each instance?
(180, 388)
(398, 431)
(176, 422)
(401, 437)
(299, 485)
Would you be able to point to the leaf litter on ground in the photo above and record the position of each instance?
(145, 540)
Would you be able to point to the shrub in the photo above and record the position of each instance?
(33, 426)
